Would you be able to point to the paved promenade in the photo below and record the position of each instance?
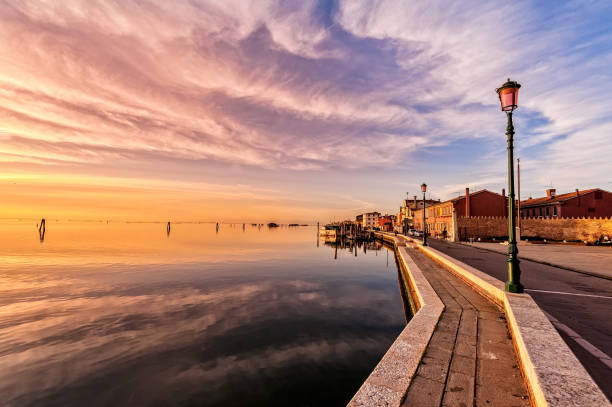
(578, 304)
(595, 260)
(470, 359)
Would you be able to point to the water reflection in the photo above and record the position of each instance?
(41, 230)
(351, 245)
(279, 325)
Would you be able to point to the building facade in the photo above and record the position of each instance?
(368, 220)
(407, 211)
(439, 216)
(586, 203)
(386, 222)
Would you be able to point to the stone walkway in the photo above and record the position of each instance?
(470, 360)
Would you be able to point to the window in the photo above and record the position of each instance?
(540, 210)
(554, 211)
(547, 211)
(598, 195)
(591, 210)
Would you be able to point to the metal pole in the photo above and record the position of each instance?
(424, 224)
(513, 284)
(518, 186)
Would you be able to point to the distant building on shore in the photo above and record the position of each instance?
(386, 222)
(405, 217)
(586, 203)
(479, 203)
(368, 219)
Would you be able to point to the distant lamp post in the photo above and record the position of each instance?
(424, 189)
(508, 96)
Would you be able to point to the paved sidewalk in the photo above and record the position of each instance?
(470, 359)
(596, 260)
(579, 301)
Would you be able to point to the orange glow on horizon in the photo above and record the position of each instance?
(82, 243)
(99, 198)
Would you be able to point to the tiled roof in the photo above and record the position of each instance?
(453, 200)
(557, 198)
(471, 194)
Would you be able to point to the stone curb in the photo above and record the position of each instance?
(389, 381)
(553, 374)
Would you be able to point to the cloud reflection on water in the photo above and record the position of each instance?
(197, 333)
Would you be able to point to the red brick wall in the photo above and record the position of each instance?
(584, 229)
(483, 204)
(578, 207)
(483, 227)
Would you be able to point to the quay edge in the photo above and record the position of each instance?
(390, 379)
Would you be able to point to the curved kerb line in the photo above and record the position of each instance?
(389, 381)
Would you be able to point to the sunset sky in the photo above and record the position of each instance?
(293, 110)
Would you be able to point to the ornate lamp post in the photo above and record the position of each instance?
(508, 96)
(424, 189)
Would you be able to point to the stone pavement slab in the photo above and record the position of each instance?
(470, 359)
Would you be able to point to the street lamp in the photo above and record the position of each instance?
(424, 189)
(508, 96)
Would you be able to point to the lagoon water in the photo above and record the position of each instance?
(124, 314)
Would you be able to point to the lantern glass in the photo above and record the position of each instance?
(424, 187)
(508, 95)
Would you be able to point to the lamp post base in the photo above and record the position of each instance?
(514, 288)
(513, 285)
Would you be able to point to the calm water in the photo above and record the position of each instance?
(124, 314)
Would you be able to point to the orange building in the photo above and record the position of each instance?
(440, 215)
(405, 218)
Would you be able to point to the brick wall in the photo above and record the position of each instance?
(481, 226)
(589, 229)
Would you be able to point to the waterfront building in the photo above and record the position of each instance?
(370, 220)
(440, 215)
(386, 222)
(407, 210)
(586, 203)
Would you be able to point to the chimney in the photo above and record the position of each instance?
(504, 192)
(467, 202)
(415, 202)
(578, 196)
(551, 192)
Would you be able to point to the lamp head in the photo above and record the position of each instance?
(508, 95)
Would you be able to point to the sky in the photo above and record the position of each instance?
(305, 111)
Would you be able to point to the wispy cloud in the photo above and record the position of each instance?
(303, 86)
